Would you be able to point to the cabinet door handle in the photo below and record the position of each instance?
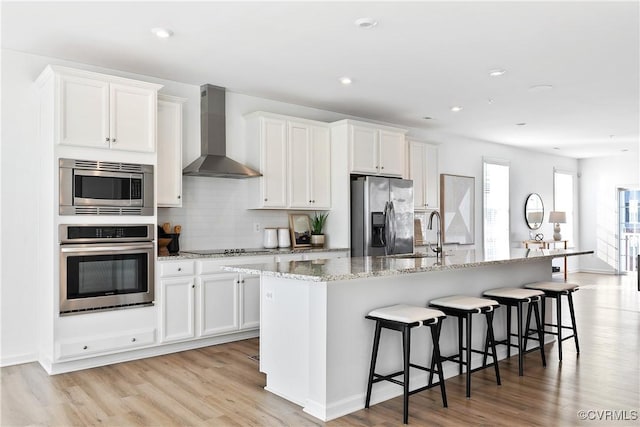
(133, 339)
(179, 196)
(85, 347)
(179, 268)
(265, 199)
(381, 167)
(193, 286)
(106, 139)
(113, 140)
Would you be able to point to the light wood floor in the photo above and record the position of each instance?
(221, 386)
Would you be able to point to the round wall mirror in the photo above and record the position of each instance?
(534, 211)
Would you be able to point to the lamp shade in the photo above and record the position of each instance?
(557, 217)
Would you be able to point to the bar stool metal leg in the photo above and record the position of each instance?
(540, 332)
(573, 321)
(460, 345)
(508, 331)
(374, 357)
(492, 338)
(519, 337)
(435, 336)
(406, 348)
(468, 355)
(559, 327)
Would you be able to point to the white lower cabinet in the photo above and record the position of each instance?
(250, 302)
(178, 308)
(209, 302)
(218, 308)
(229, 302)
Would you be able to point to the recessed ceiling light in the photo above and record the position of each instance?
(427, 118)
(345, 80)
(366, 22)
(540, 88)
(611, 136)
(456, 108)
(497, 72)
(162, 33)
(556, 148)
(624, 150)
(521, 124)
(489, 101)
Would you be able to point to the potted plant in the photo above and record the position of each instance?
(317, 224)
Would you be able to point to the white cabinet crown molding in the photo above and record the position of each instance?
(58, 69)
(368, 124)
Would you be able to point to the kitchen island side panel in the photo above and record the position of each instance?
(325, 368)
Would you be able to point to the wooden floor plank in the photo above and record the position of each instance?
(221, 386)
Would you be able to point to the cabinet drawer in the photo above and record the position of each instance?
(215, 265)
(176, 268)
(107, 344)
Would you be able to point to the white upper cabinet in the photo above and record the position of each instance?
(83, 114)
(392, 153)
(132, 117)
(294, 158)
(363, 144)
(423, 170)
(309, 166)
(101, 111)
(273, 164)
(375, 150)
(169, 193)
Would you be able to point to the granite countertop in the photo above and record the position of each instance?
(362, 267)
(249, 252)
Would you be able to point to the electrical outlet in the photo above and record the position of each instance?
(256, 227)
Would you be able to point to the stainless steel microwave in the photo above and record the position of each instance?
(90, 187)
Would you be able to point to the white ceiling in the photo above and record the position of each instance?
(421, 59)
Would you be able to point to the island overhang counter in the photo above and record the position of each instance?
(315, 343)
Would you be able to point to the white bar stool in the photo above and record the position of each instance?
(517, 297)
(463, 307)
(557, 290)
(403, 318)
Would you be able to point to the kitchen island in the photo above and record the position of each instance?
(315, 344)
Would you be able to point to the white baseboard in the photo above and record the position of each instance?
(18, 359)
(157, 350)
(593, 270)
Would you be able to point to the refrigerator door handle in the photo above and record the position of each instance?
(387, 230)
(393, 225)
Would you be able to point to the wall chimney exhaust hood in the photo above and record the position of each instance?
(213, 161)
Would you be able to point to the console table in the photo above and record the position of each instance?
(546, 244)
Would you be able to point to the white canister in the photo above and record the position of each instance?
(270, 238)
(284, 239)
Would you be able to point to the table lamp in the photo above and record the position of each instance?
(557, 218)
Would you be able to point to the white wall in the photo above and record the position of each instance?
(530, 172)
(599, 180)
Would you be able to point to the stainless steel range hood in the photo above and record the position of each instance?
(213, 161)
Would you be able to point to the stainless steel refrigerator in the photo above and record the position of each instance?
(381, 216)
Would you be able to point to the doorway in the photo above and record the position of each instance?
(628, 229)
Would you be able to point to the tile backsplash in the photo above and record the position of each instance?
(214, 215)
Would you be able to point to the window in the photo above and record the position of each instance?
(496, 209)
(563, 202)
